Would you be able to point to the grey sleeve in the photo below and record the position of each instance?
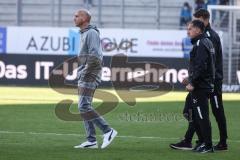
(94, 44)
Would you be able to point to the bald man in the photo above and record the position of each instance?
(89, 77)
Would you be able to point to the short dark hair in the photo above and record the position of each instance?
(199, 24)
(202, 13)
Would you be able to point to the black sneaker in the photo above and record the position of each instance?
(221, 147)
(182, 145)
(198, 144)
(204, 149)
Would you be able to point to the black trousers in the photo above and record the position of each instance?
(218, 112)
(201, 121)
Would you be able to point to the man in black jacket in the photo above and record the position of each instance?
(215, 97)
(200, 82)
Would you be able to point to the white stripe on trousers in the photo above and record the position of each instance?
(216, 101)
(199, 112)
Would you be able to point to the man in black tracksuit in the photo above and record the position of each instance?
(201, 82)
(215, 97)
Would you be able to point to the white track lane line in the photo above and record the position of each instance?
(81, 135)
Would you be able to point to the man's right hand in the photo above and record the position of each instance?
(189, 87)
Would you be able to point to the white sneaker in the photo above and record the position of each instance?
(108, 137)
(87, 144)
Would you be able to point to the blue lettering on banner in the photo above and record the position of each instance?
(74, 38)
(3, 39)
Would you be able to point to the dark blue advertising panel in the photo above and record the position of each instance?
(118, 71)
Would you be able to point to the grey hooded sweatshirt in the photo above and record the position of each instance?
(90, 56)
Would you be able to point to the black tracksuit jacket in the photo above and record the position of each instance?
(202, 63)
(215, 39)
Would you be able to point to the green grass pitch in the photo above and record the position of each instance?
(30, 130)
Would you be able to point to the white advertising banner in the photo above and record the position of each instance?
(143, 43)
(44, 40)
(66, 41)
